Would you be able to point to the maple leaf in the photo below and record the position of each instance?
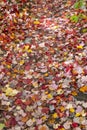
(83, 89)
(10, 92)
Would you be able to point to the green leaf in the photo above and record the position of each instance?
(78, 4)
(74, 18)
(2, 126)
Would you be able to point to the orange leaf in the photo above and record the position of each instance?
(74, 93)
(24, 119)
(83, 89)
(43, 127)
(34, 98)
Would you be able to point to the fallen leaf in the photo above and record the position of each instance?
(36, 22)
(43, 127)
(80, 47)
(10, 92)
(21, 62)
(24, 119)
(74, 93)
(83, 89)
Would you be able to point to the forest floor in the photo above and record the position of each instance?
(43, 65)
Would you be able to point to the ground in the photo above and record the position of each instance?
(43, 65)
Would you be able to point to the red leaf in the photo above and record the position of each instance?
(11, 122)
(45, 110)
(74, 124)
(5, 0)
(27, 67)
(27, 81)
(18, 102)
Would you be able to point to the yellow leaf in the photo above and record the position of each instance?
(55, 27)
(74, 93)
(29, 50)
(80, 47)
(14, 75)
(8, 66)
(55, 115)
(46, 74)
(43, 127)
(26, 48)
(50, 96)
(15, 70)
(72, 110)
(51, 121)
(56, 65)
(4, 63)
(12, 36)
(33, 119)
(21, 14)
(35, 84)
(78, 114)
(10, 92)
(21, 62)
(60, 91)
(62, 129)
(21, 71)
(46, 92)
(44, 118)
(74, 72)
(36, 22)
(83, 89)
(18, 107)
(15, 21)
(62, 108)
